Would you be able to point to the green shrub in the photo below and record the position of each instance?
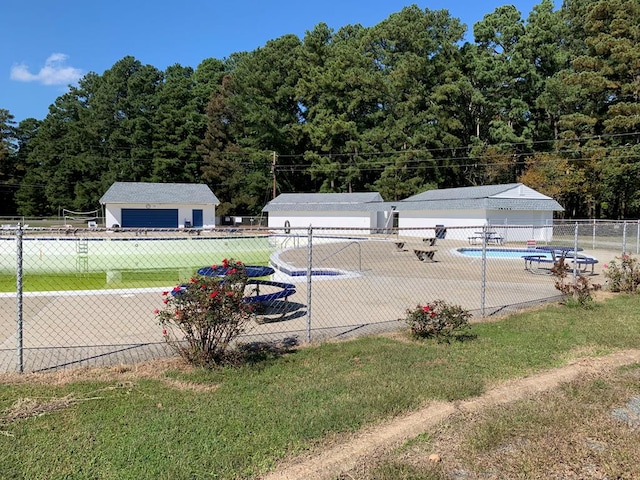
(202, 319)
(623, 274)
(437, 319)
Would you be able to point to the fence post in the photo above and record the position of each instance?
(483, 284)
(624, 237)
(19, 305)
(309, 274)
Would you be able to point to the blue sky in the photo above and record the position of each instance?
(50, 44)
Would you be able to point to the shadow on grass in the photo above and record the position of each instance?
(454, 337)
(258, 352)
(465, 337)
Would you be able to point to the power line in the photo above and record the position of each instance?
(412, 166)
(389, 153)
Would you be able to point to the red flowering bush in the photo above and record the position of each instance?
(437, 319)
(578, 291)
(623, 274)
(208, 314)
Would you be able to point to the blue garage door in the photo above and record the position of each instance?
(149, 218)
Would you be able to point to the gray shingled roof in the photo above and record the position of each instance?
(163, 193)
(482, 204)
(316, 202)
(523, 204)
(474, 198)
(462, 193)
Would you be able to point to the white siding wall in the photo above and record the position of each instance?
(113, 213)
(474, 219)
(364, 221)
(538, 223)
(522, 191)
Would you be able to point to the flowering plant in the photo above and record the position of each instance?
(437, 319)
(578, 290)
(208, 313)
(623, 274)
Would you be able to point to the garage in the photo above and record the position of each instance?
(159, 205)
(150, 218)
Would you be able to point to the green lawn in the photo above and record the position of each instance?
(239, 422)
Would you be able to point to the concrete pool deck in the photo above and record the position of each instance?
(118, 326)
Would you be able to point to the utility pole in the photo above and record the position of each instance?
(273, 172)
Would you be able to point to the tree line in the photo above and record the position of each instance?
(407, 105)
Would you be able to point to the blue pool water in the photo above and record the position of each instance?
(502, 252)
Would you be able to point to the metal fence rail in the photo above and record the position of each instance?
(87, 296)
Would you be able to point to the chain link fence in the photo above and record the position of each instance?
(77, 297)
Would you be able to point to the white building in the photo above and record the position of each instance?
(159, 205)
(497, 206)
(364, 211)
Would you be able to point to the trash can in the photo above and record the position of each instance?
(441, 232)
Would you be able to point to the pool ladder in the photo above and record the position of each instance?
(82, 256)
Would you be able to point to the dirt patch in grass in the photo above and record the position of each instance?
(603, 294)
(588, 428)
(477, 438)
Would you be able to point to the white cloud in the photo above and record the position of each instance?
(54, 72)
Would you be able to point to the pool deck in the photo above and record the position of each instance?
(73, 326)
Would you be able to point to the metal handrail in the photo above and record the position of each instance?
(355, 242)
(296, 240)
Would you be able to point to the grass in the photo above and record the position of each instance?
(238, 422)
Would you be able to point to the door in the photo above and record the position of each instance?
(149, 218)
(196, 216)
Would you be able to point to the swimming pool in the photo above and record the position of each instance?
(106, 254)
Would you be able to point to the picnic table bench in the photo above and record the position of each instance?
(400, 244)
(488, 237)
(581, 261)
(425, 254)
(538, 260)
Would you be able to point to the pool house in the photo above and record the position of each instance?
(364, 211)
(528, 214)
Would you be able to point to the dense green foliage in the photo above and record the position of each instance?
(552, 100)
